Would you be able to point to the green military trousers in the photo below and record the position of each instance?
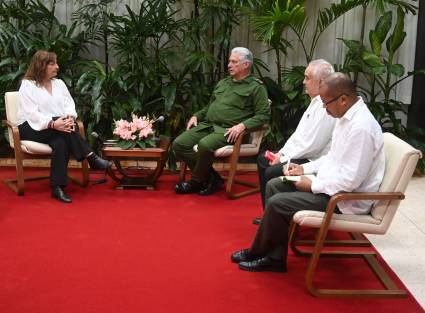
(209, 138)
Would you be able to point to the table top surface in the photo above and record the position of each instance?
(115, 151)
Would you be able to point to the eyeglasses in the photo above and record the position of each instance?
(326, 103)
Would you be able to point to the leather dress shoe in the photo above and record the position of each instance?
(265, 264)
(256, 221)
(190, 186)
(215, 183)
(58, 193)
(241, 256)
(97, 163)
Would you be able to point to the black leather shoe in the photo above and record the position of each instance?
(190, 186)
(215, 183)
(59, 194)
(265, 264)
(97, 163)
(256, 221)
(242, 256)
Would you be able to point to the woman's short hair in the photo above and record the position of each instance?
(245, 54)
(37, 69)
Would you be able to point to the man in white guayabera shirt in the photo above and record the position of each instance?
(312, 137)
(354, 163)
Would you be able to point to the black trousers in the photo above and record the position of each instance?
(283, 201)
(62, 144)
(267, 172)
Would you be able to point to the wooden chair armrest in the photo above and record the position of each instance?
(15, 131)
(8, 123)
(81, 128)
(15, 135)
(344, 196)
(262, 127)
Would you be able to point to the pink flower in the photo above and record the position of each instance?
(138, 128)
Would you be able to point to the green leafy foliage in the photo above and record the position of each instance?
(382, 75)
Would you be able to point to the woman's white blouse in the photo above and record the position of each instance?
(37, 106)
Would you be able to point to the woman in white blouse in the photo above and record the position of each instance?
(47, 114)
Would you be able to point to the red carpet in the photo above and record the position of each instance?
(114, 251)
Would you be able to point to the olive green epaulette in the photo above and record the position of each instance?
(258, 81)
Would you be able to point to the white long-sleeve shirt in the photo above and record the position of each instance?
(37, 106)
(312, 138)
(355, 162)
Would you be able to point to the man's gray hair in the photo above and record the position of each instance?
(245, 54)
(321, 68)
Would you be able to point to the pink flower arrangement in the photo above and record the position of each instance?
(138, 132)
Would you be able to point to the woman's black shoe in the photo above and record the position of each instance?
(97, 163)
(59, 194)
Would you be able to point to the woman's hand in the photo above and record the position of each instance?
(64, 124)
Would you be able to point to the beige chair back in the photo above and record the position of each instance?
(400, 163)
(12, 101)
(27, 146)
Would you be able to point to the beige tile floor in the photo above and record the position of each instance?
(403, 247)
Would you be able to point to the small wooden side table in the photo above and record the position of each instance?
(137, 177)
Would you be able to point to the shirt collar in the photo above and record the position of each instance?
(316, 99)
(247, 79)
(354, 108)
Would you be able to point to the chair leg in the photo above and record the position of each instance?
(20, 177)
(390, 288)
(84, 181)
(18, 184)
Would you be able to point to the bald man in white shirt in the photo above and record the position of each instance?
(355, 163)
(312, 137)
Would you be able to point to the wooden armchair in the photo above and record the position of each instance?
(26, 149)
(231, 154)
(400, 164)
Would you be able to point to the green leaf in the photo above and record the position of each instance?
(397, 38)
(169, 94)
(7, 62)
(150, 142)
(379, 70)
(292, 94)
(141, 144)
(383, 26)
(396, 69)
(353, 45)
(375, 43)
(372, 59)
(126, 144)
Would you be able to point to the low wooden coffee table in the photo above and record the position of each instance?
(136, 176)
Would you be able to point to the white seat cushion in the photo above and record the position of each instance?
(34, 147)
(344, 222)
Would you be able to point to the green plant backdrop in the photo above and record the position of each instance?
(155, 61)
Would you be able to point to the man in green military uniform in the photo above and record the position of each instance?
(238, 102)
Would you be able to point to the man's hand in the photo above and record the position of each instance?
(293, 169)
(234, 132)
(304, 184)
(276, 159)
(192, 122)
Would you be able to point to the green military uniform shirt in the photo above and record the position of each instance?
(233, 102)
